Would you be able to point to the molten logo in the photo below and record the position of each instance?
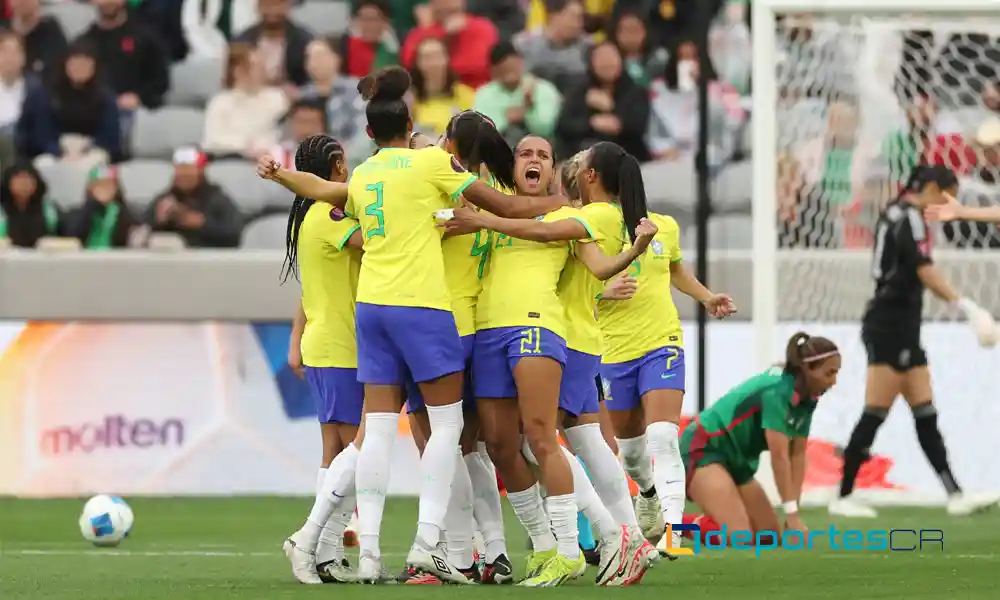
(115, 431)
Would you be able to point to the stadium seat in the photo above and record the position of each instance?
(193, 82)
(250, 193)
(74, 17)
(143, 180)
(158, 133)
(731, 232)
(323, 17)
(732, 189)
(671, 183)
(265, 233)
(66, 181)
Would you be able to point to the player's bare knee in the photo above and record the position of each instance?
(541, 440)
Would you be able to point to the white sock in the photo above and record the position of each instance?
(605, 471)
(562, 511)
(668, 469)
(588, 502)
(338, 484)
(331, 539)
(320, 476)
(373, 478)
(437, 469)
(487, 509)
(530, 512)
(459, 525)
(637, 461)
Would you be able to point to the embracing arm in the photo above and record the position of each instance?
(601, 265)
(510, 207)
(311, 186)
(536, 231)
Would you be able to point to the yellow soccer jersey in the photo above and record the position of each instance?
(394, 195)
(466, 258)
(578, 288)
(520, 287)
(329, 272)
(648, 320)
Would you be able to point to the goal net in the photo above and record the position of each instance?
(846, 104)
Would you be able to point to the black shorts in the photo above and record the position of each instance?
(898, 348)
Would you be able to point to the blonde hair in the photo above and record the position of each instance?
(568, 173)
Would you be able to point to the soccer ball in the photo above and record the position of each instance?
(106, 520)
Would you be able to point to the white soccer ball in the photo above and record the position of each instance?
(106, 520)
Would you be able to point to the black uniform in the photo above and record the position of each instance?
(891, 326)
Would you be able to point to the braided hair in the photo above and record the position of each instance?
(477, 142)
(318, 155)
(620, 176)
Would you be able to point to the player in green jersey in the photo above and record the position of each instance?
(770, 411)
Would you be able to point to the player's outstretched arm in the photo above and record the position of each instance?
(303, 184)
(605, 267)
(953, 210)
(511, 207)
(719, 305)
(523, 229)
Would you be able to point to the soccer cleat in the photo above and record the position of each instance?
(613, 557)
(336, 571)
(414, 576)
(638, 558)
(675, 542)
(498, 572)
(370, 570)
(653, 555)
(535, 562)
(435, 561)
(847, 507)
(650, 517)
(963, 505)
(592, 556)
(473, 574)
(557, 571)
(303, 563)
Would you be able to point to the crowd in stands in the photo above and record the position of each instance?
(99, 97)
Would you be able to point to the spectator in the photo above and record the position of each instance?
(558, 52)
(730, 46)
(195, 208)
(43, 38)
(667, 21)
(306, 118)
(518, 104)
(281, 43)
(467, 38)
(673, 124)
(76, 119)
(438, 93)
(403, 15)
(595, 15)
(26, 214)
(208, 25)
(370, 44)
(506, 15)
(606, 106)
(991, 97)
(242, 120)
(345, 110)
(643, 61)
(163, 17)
(981, 189)
(12, 81)
(132, 57)
(104, 220)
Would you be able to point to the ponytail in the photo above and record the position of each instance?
(477, 143)
(621, 176)
(804, 350)
(317, 155)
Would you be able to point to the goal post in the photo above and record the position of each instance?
(903, 82)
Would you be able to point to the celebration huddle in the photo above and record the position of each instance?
(442, 276)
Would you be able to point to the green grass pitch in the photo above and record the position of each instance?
(207, 549)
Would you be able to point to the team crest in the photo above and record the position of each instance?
(336, 214)
(657, 247)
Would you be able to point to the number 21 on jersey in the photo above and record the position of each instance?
(374, 209)
(531, 341)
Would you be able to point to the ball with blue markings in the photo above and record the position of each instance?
(106, 520)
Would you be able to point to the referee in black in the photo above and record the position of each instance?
(897, 364)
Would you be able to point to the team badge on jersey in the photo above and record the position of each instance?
(657, 247)
(336, 214)
(457, 166)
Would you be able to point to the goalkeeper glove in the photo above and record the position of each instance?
(981, 321)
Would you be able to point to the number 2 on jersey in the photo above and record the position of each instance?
(531, 341)
(374, 209)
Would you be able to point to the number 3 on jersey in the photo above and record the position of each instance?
(374, 209)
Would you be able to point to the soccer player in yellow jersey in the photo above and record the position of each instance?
(323, 250)
(643, 369)
(404, 322)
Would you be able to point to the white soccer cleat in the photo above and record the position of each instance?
(848, 507)
(614, 558)
(675, 542)
(303, 563)
(638, 558)
(963, 505)
(653, 555)
(650, 517)
(369, 569)
(435, 561)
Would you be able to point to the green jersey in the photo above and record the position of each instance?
(735, 425)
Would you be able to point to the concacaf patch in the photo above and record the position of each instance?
(336, 214)
(657, 247)
(457, 166)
